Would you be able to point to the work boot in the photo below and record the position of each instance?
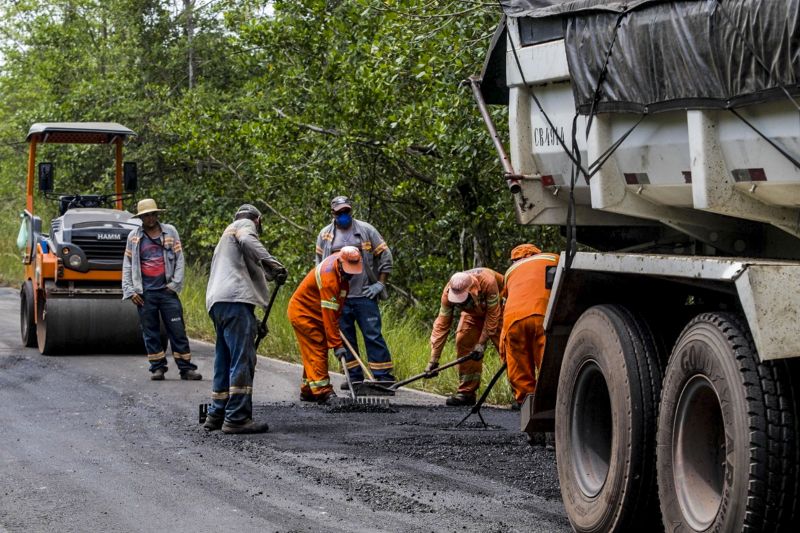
(325, 398)
(191, 375)
(516, 406)
(307, 397)
(158, 374)
(249, 426)
(386, 379)
(459, 399)
(212, 423)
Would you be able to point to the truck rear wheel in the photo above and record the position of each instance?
(727, 456)
(27, 314)
(605, 422)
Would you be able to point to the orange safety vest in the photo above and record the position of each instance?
(319, 298)
(524, 288)
(485, 292)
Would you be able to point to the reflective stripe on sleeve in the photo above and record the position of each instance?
(445, 310)
(329, 305)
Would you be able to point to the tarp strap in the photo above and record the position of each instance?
(752, 50)
(775, 145)
(602, 77)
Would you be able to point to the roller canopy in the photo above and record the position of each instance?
(78, 132)
(669, 55)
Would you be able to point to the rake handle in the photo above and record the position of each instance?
(428, 374)
(366, 370)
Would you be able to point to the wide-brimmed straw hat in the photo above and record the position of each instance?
(148, 205)
(459, 287)
(351, 260)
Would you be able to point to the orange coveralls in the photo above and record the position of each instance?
(476, 325)
(522, 337)
(314, 311)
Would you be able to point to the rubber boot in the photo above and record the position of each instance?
(247, 427)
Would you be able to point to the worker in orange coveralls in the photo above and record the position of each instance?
(314, 311)
(522, 338)
(475, 294)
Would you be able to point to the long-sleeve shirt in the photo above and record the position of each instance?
(485, 292)
(317, 302)
(241, 267)
(375, 252)
(524, 288)
(173, 261)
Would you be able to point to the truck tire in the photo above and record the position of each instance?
(606, 411)
(727, 456)
(27, 314)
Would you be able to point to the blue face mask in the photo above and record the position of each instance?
(344, 220)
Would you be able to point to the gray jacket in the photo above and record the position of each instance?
(241, 267)
(374, 250)
(173, 261)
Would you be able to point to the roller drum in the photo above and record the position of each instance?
(88, 325)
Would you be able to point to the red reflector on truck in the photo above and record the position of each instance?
(687, 176)
(548, 181)
(749, 174)
(636, 178)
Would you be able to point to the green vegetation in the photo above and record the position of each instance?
(282, 104)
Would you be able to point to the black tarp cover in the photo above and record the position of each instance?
(678, 54)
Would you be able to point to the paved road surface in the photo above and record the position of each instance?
(90, 443)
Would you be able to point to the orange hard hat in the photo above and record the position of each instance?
(459, 287)
(524, 250)
(351, 260)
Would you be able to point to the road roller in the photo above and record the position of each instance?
(71, 297)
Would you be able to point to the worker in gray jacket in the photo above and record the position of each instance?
(361, 305)
(152, 277)
(237, 283)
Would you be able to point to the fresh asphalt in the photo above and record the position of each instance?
(90, 443)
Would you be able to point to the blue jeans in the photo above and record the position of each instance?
(365, 312)
(234, 361)
(164, 305)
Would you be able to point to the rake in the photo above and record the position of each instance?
(476, 409)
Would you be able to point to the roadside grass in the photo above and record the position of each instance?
(406, 333)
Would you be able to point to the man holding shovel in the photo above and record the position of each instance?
(475, 295)
(237, 283)
(314, 311)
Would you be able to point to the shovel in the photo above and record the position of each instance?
(395, 386)
(262, 328)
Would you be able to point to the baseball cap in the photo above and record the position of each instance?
(248, 209)
(524, 250)
(459, 287)
(340, 202)
(351, 260)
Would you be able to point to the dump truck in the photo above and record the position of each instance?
(663, 138)
(71, 297)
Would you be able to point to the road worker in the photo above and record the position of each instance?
(522, 338)
(314, 311)
(361, 305)
(237, 283)
(152, 278)
(475, 294)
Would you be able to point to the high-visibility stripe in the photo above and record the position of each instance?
(319, 384)
(184, 356)
(241, 390)
(128, 253)
(366, 246)
(155, 356)
(538, 257)
(319, 250)
(327, 236)
(381, 366)
(220, 395)
(382, 247)
(352, 364)
(134, 240)
(329, 305)
(342, 293)
(492, 300)
(177, 248)
(445, 310)
(466, 378)
(229, 232)
(318, 275)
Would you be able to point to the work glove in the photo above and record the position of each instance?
(430, 370)
(477, 352)
(374, 290)
(340, 352)
(280, 277)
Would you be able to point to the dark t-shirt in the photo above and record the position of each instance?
(151, 256)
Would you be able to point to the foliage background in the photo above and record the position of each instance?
(283, 104)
